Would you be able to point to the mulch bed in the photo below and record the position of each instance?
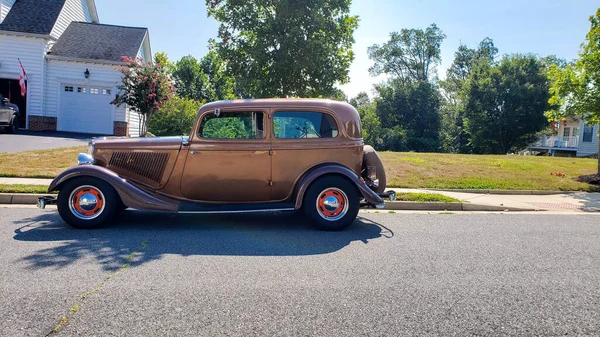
(592, 179)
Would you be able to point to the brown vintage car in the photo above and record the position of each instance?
(241, 156)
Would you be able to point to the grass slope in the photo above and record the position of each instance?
(37, 189)
(38, 164)
(456, 171)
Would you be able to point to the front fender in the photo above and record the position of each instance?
(131, 195)
(370, 196)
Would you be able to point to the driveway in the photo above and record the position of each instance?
(29, 140)
(271, 275)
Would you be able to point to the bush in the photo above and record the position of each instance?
(176, 117)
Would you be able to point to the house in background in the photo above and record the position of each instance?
(70, 60)
(575, 139)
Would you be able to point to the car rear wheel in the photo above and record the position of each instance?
(87, 202)
(331, 203)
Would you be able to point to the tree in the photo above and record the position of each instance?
(411, 113)
(145, 88)
(203, 80)
(505, 103)
(575, 87)
(297, 48)
(176, 118)
(453, 134)
(411, 55)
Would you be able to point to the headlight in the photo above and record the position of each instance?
(90, 149)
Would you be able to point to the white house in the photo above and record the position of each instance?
(70, 60)
(575, 139)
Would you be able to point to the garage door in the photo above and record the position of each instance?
(86, 109)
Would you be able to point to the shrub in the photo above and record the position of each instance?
(176, 118)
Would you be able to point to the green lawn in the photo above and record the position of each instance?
(424, 197)
(38, 164)
(408, 170)
(38, 189)
(456, 171)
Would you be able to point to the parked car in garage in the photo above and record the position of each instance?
(241, 156)
(9, 116)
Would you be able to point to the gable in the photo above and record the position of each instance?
(73, 10)
(5, 6)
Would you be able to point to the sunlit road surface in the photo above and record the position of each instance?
(272, 275)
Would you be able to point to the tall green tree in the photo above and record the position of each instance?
(411, 55)
(204, 80)
(505, 103)
(299, 48)
(408, 104)
(453, 134)
(575, 87)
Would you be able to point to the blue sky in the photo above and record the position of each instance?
(544, 27)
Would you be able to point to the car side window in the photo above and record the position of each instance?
(233, 125)
(304, 124)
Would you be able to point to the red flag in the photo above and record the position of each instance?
(22, 78)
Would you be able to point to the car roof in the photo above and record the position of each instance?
(344, 110)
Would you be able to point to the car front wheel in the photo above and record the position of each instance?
(14, 125)
(87, 202)
(331, 203)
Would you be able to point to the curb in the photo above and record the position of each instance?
(31, 199)
(506, 192)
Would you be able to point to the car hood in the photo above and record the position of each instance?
(163, 143)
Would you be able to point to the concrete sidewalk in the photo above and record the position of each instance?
(567, 201)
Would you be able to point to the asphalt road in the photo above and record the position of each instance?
(28, 140)
(266, 275)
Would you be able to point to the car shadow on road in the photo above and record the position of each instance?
(152, 235)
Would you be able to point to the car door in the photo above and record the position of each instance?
(228, 158)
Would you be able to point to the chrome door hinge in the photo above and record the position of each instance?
(270, 182)
(271, 152)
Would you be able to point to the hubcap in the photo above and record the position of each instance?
(86, 202)
(332, 204)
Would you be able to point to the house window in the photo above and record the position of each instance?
(105, 91)
(68, 88)
(82, 90)
(567, 132)
(588, 134)
(304, 124)
(94, 91)
(576, 132)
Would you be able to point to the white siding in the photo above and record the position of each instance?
(66, 72)
(134, 123)
(73, 10)
(141, 53)
(587, 148)
(31, 51)
(5, 6)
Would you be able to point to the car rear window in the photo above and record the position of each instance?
(304, 124)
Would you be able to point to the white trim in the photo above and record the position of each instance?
(75, 59)
(32, 35)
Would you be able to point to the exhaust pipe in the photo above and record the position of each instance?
(44, 201)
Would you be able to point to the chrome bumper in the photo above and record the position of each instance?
(44, 201)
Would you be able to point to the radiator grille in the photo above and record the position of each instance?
(150, 165)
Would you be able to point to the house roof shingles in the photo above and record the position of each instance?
(29, 16)
(99, 42)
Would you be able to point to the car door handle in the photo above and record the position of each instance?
(193, 152)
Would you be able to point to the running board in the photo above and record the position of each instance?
(186, 207)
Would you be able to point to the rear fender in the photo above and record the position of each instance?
(370, 196)
(131, 195)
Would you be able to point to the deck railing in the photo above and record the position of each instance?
(558, 141)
